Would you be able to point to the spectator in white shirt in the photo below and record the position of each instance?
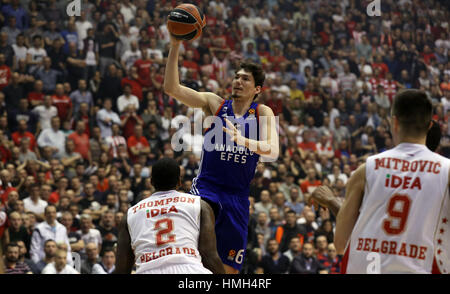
(53, 137)
(49, 229)
(130, 56)
(88, 233)
(106, 117)
(60, 265)
(107, 265)
(20, 51)
(115, 140)
(36, 53)
(156, 55)
(45, 112)
(126, 99)
(34, 203)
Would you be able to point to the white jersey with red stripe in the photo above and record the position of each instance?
(164, 230)
(403, 224)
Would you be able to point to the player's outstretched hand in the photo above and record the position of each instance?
(234, 133)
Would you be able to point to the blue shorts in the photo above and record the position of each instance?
(232, 215)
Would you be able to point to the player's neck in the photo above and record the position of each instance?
(412, 140)
(240, 106)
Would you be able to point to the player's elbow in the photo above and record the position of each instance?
(271, 154)
(167, 88)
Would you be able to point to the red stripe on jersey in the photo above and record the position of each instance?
(434, 268)
(217, 112)
(344, 261)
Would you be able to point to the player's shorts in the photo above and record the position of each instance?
(178, 269)
(232, 216)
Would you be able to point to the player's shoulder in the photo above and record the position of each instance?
(264, 110)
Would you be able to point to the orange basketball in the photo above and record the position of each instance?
(186, 22)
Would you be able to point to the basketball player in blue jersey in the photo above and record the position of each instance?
(242, 131)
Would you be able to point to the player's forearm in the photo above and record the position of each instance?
(171, 77)
(343, 231)
(263, 148)
(334, 206)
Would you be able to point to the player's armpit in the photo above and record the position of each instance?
(207, 241)
(125, 255)
(349, 212)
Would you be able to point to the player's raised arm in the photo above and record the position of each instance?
(349, 212)
(125, 255)
(206, 100)
(207, 241)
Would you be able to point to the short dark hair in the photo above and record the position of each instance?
(256, 69)
(12, 244)
(165, 174)
(413, 110)
(108, 249)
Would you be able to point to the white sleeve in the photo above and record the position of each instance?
(99, 237)
(49, 269)
(97, 270)
(120, 104)
(42, 139)
(35, 247)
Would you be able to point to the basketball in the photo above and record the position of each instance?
(186, 22)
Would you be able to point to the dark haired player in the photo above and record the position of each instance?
(227, 168)
(169, 232)
(397, 203)
(324, 196)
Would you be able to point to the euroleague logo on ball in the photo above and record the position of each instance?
(177, 15)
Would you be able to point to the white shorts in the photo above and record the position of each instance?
(178, 269)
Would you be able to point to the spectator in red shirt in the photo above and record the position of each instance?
(275, 102)
(129, 119)
(63, 184)
(427, 55)
(143, 70)
(308, 144)
(381, 65)
(5, 72)
(62, 103)
(137, 144)
(311, 182)
(133, 80)
(277, 58)
(5, 185)
(189, 63)
(81, 140)
(21, 133)
(37, 96)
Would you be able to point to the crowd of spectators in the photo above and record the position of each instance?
(83, 115)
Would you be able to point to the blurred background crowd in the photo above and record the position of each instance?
(83, 115)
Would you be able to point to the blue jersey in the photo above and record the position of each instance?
(229, 166)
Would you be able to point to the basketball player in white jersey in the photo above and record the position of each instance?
(169, 232)
(396, 209)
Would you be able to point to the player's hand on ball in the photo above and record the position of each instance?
(234, 133)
